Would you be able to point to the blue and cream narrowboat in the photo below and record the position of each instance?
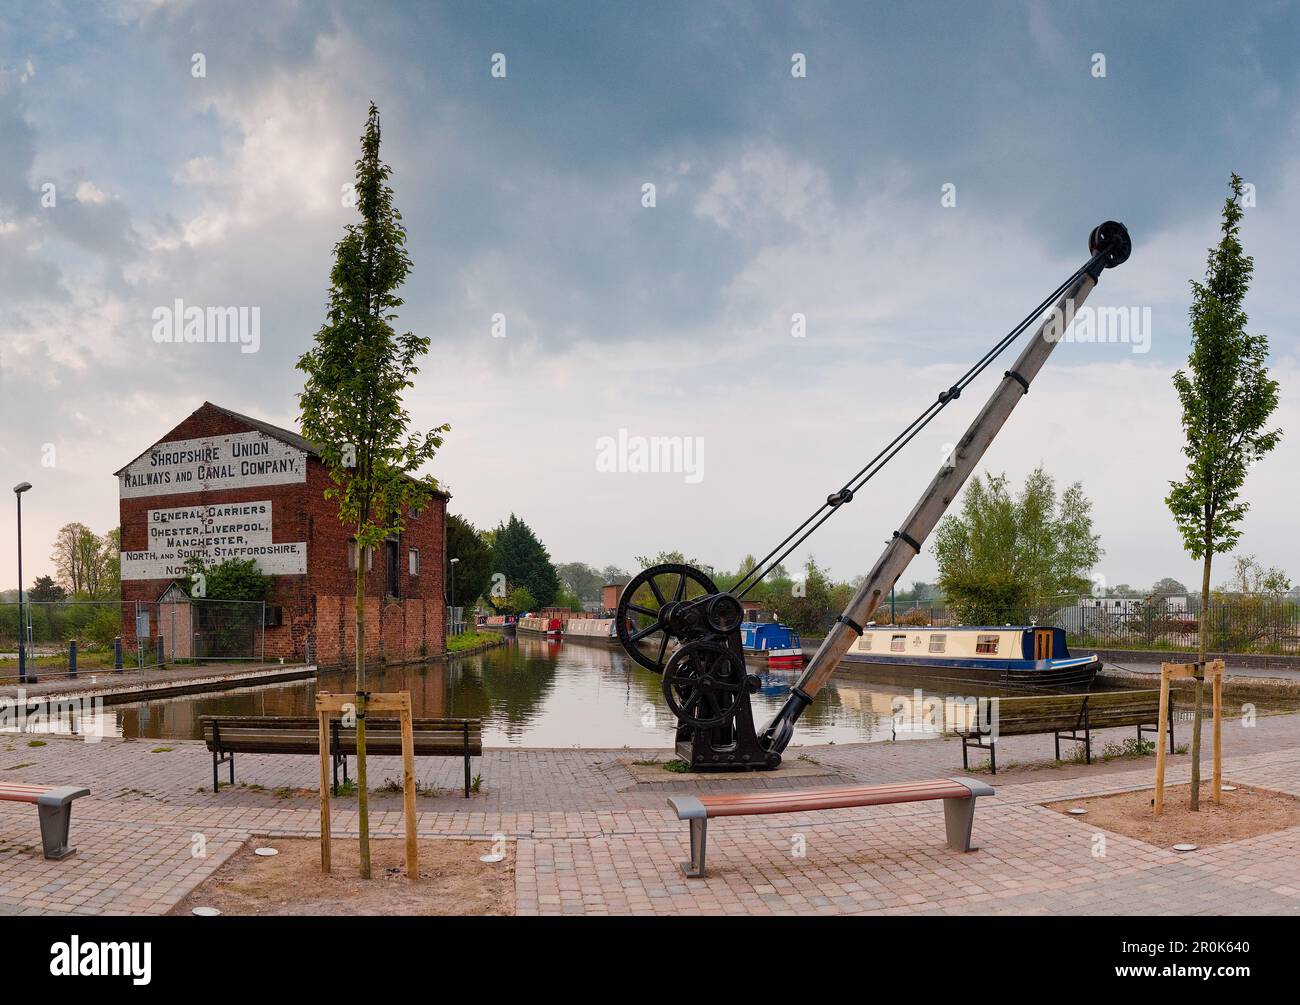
(1018, 655)
(778, 644)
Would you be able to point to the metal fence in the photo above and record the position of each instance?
(455, 620)
(114, 634)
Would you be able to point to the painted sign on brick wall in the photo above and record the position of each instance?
(239, 460)
(227, 530)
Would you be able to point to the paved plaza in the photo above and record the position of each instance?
(592, 839)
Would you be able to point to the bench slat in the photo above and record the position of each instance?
(748, 804)
(958, 795)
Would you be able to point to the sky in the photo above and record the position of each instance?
(932, 174)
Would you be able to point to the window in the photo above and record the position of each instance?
(938, 643)
(352, 556)
(392, 569)
(864, 643)
(897, 643)
(987, 644)
(413, 557)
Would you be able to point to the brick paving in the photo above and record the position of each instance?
(592, 840)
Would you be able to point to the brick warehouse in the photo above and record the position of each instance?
(232, 486)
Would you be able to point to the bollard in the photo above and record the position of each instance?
(72, 659)
(117, 655)
(161, 658)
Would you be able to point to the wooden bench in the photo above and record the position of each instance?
(1066, 716)
(53, 806)
(958, 795)
(227, 735)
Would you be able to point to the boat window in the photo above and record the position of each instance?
(897, 643)
(938, 643)
(986, 644)
(864, 644)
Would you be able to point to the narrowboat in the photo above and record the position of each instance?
(1017, 655)
(591, 630)
(778, 644)
(552, 628)
(500, 623)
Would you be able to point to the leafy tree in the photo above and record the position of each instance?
(667, 558)
(46, 591)
(1002, 554)
(1249, 576)
(474, 570)
(517, 601)
(110, 580)
(580, 579)
(229, 579)
(567, 600)
(614, 574)
(808, 612)
(351, 402)
(523, 560)
(1227, 398)
(1168, 587)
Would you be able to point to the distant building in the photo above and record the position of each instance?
(223, 485)
(609, 594)
(1131, 605)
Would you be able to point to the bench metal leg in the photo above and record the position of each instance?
(958, 820)
(216, 762)
(467, 776)
(964, 765)
(694, 869)
(56, 819)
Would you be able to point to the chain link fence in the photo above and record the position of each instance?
(128, 635)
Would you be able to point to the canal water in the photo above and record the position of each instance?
(537, 693)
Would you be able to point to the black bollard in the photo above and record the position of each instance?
(117, 655)
(72, 659)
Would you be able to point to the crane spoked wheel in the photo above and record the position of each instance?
(704, 683)
(667, 604)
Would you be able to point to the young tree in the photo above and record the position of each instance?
(1227, 398)
(351, 402)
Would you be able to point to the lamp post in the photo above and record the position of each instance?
(19, 489)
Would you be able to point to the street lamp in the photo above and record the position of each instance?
(453, 581)
(19, 489)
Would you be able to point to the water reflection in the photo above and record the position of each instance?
(535, 693)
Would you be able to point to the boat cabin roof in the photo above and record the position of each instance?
(958, 628)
